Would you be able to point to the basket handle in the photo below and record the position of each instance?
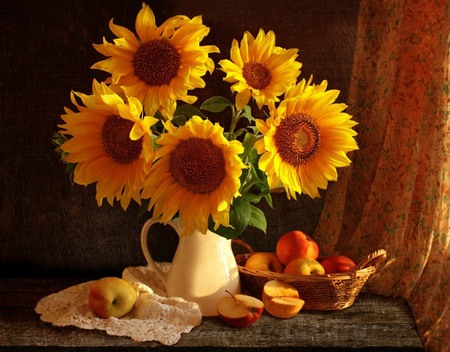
(373, 259)
(244, 244)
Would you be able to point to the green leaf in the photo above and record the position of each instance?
(249, 146)
(258, 219)
(240, 216)
(247, 113)
(268, 198)
(179, 120)
(255, 197)
(253, 158)
(244, 177)
(187, 111)
(216, 104)
(256, 172)
(70, 169)
(242, 211)
(230, 136)
(59, 138)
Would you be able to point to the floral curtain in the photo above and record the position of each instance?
(396, 194)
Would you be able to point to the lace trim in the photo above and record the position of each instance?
(155, 317)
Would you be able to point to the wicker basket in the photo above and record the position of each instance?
(320, 292)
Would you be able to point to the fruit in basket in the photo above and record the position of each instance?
(281, 299)
(337, 264)
(264, 261)
(304, 266)
(112, 297)
(239, 310)
(296, 244)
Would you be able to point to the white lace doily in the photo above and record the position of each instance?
(153, 318)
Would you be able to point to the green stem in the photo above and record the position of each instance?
(235, 117)
(247, 184)
(246, 187)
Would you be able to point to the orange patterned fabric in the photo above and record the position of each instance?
(396, 194)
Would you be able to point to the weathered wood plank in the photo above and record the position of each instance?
(372, 323)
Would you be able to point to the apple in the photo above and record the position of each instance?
(239, 310)
(296, 244)
(112, 297)
(264, 261)
(337, 264)
(304, 266)
(281, 299)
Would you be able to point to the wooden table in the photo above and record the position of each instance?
(373, 323)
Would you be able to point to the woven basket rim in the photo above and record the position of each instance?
(313, 278)
(366, 267)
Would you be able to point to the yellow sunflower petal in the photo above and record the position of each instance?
(242, 98)
(150, 68)
(104, 153)
(306, 138)
(122, 32)
(145, 24)
(196, 175)
(259, 69)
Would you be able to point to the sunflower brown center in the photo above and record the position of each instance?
(257, 75)
(156, 62)
(116, 140)
(198, 165)
(297, 139)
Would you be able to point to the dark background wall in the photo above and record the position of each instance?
(48, 225)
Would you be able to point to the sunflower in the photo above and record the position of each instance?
(305, 139)
(109, 143)
(196, 175)
(260, 69)
(161, 64)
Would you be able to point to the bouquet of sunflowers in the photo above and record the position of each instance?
(140, 137)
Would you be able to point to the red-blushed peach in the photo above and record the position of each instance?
(112, 297)
(296, 244)
(337, 264)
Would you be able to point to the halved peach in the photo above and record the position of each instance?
(281, 299)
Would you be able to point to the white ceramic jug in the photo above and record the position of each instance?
(202, 270)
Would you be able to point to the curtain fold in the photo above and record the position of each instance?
(396, 194)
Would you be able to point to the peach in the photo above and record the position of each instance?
(304, 266)
(337, 264)
(296, 244)
(281, 299)
(112, 297)
(265, 261)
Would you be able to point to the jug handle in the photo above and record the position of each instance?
(144, 246)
